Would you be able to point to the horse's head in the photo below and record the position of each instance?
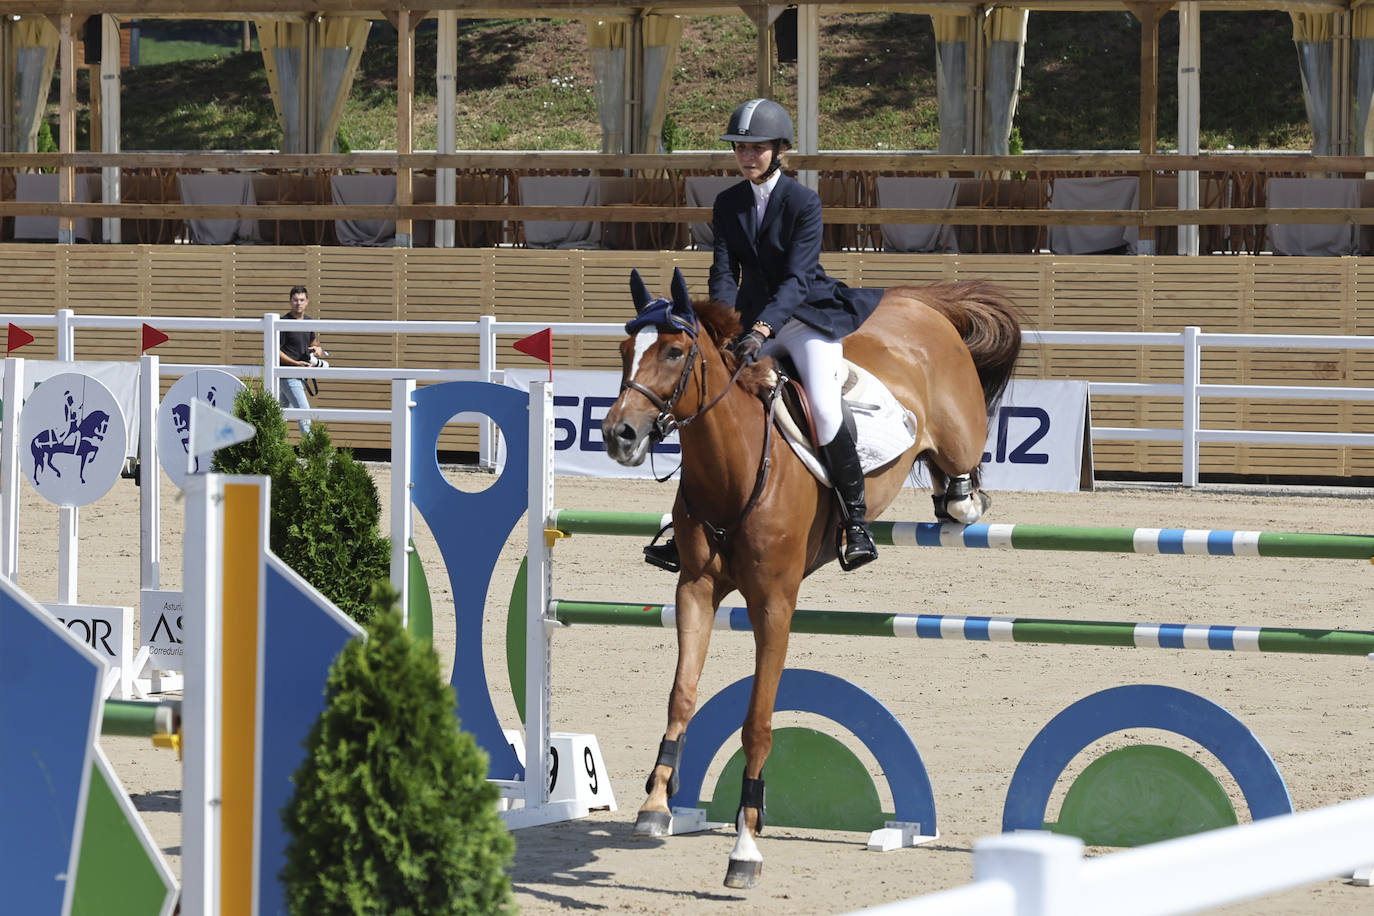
(656, 364)
(96, 424)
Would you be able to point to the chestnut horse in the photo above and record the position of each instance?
(760, 522)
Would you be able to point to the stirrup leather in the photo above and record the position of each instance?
(669, 755)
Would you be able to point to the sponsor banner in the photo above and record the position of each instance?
(119, 378)
(1038, 440)
(160, 630)
(581, 398)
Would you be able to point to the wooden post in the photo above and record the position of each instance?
(66, 124)
(405, 96)
(1148, 14)
(758, 14)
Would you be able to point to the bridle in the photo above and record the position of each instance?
(666, 422)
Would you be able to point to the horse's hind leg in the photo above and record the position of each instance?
(695, 614)
(957, 498)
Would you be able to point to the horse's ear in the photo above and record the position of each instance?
(680, 297)
(638, 291)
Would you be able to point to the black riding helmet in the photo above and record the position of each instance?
(758, 121)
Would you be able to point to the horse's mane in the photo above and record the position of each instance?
(721, 323)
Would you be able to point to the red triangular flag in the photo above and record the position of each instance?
(152, 337)
(540, 346)
(18, 337)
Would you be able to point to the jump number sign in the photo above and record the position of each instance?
(577, 772)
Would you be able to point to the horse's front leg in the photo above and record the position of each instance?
(696, 605)
(772, 624)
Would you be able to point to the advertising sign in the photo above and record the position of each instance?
(1037, 441)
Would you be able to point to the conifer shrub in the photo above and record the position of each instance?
(392, 813)
(325, 509)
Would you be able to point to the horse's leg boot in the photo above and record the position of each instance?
(746, 863)
(962, 502)
(847, 474)
(660, 823)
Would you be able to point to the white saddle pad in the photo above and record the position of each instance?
(883, 428)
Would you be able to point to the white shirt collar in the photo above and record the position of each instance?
(766, 188)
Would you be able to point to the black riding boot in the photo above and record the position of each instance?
(848, 477)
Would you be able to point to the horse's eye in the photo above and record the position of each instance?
(673, 354)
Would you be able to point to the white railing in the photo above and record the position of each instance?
(1042, 874)
(1189, 389)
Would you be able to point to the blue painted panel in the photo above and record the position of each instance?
(49, 711)
(803, 690)
(1142, 706)
(471, 529)
(303, 634)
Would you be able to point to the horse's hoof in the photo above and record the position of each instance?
(743, 874)
(653, 824)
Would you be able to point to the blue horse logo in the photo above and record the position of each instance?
(82, 440)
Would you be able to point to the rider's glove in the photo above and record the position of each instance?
(746, 346)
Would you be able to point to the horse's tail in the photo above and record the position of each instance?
(990, 324)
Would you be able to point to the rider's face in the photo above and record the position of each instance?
(753, 159)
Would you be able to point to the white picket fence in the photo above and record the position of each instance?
(1042, 874)
(1191, 391)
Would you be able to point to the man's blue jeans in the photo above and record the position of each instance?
(293, 395)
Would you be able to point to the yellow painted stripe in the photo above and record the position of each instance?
(239, 685)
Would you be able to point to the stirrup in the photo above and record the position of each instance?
(669, 755)
(855, 547)
(664, 556)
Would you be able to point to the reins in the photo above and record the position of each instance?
(665, 423)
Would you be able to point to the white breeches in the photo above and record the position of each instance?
(820, 363)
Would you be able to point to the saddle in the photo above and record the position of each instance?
(882, 428)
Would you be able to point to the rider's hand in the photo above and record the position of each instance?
(746, 346)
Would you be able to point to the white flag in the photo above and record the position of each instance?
(212, 429)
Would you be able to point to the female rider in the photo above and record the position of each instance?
(767, 265)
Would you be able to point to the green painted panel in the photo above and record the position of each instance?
(420, 620)
(115, 875)
(1143, 794)
(515, 640)
(812, 780)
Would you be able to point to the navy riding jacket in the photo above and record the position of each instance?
(775, 273)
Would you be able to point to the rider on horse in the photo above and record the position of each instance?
(767, 265)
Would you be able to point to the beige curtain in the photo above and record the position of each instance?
(35, 56)
(325, 67)
(1005, 33)
(662, 40)
(952, 34)
(609, 43)
(1312, 36)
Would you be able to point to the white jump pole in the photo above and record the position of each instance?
(402, 511)
(150, 477)
(539, 587)
(68, 528)
(10, 474)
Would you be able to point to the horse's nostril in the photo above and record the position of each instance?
(626, 432)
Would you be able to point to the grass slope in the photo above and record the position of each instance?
(527, 84)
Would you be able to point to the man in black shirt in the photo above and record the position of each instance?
(297, 348)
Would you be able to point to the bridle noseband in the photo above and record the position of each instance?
(665, 422)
